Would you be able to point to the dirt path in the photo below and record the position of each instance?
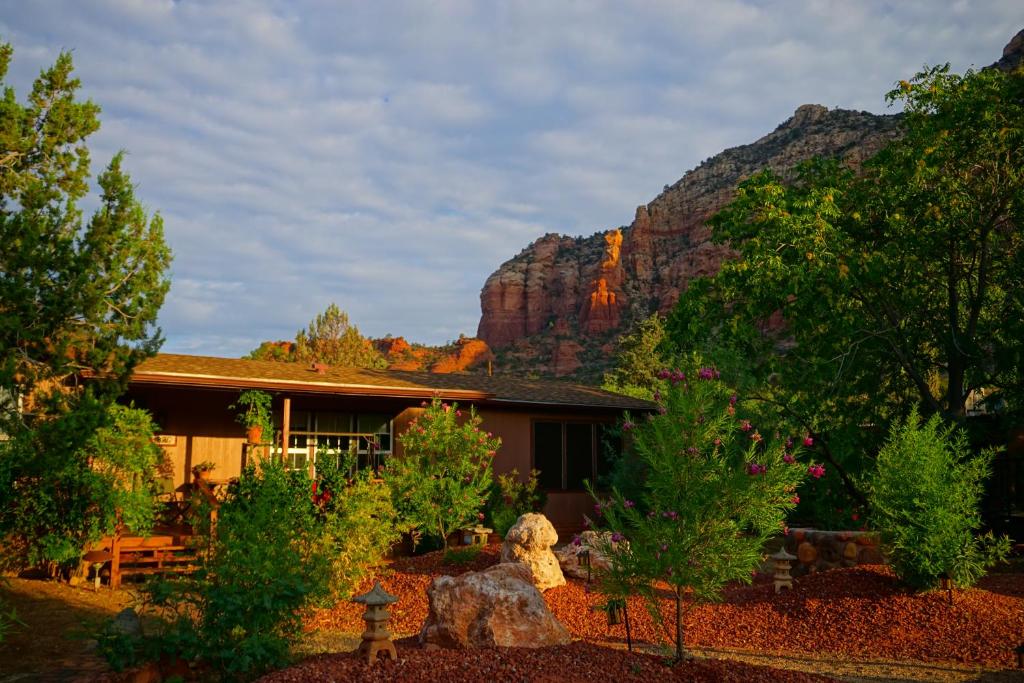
(55, 642)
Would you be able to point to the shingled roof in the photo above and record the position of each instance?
(237, 373)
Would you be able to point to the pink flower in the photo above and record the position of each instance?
(480, 516)
(795, 500)
(808, 441)
(788, 458)
(657, 395)
(755, 468)
(756, 437)
(576, 541)
(458, 413)
(816, 471)
(617, 537)
(855, 516)
(732, 400)
(746, 426)
(663, 374)
(627, 425)
(628, 503)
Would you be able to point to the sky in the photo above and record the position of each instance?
(389, 156)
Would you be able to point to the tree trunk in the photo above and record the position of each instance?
(679, 626)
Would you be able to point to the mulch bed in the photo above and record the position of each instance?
(576, 663)
(860, 612)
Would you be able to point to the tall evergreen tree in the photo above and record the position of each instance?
(75, 295)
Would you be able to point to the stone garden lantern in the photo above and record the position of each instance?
(376, 638)
(783, 561)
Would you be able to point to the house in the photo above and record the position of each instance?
(552, 426)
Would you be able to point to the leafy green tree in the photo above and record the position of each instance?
(926, 490)
(717, 489)
(854, 295)
(75, 295)
(442, 480)
(57, 496)
(331, 339)
(639, 358)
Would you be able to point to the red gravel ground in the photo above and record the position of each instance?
(859, 612)
(576, 663)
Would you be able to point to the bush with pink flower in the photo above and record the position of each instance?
(717, 487)
(442, 481)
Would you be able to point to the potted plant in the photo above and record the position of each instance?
(203, 469)
(254, 413)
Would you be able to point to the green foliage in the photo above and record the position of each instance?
(716, 490)
(8, 617)
(925, 494)
(511, 498)
(639, 358)
(360, 524)
(242, 609)
(443, 479)
(281, 351)
(331, 339)
(461, 556)
(75, 294)
(854, 295)
(64, 483)
(254, 408)
(282, 545)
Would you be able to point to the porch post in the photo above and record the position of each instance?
(286, 428)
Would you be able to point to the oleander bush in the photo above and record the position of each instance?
(442, 481)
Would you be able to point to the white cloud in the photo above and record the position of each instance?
(389, 156)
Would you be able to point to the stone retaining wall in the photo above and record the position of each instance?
(820, 550)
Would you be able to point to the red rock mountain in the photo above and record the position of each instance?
(559, 305)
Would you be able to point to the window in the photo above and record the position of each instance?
(337, 433)
(570, 453)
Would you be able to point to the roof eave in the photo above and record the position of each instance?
(219, 382)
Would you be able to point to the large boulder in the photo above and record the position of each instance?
(498, 606)
(569, 560)
(529, 542)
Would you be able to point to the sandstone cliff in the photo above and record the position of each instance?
(558, 306)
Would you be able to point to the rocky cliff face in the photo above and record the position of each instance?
(558, 306)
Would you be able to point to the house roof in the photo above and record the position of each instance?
(236, 373)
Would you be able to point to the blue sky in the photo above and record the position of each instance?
(389, 156)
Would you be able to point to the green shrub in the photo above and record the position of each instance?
(64, 482)
(511, 498)
(282, 544)
(716, 490)
(242, 609)
(359, 523)
(442, 481)
(925, 494)
(461, 556)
